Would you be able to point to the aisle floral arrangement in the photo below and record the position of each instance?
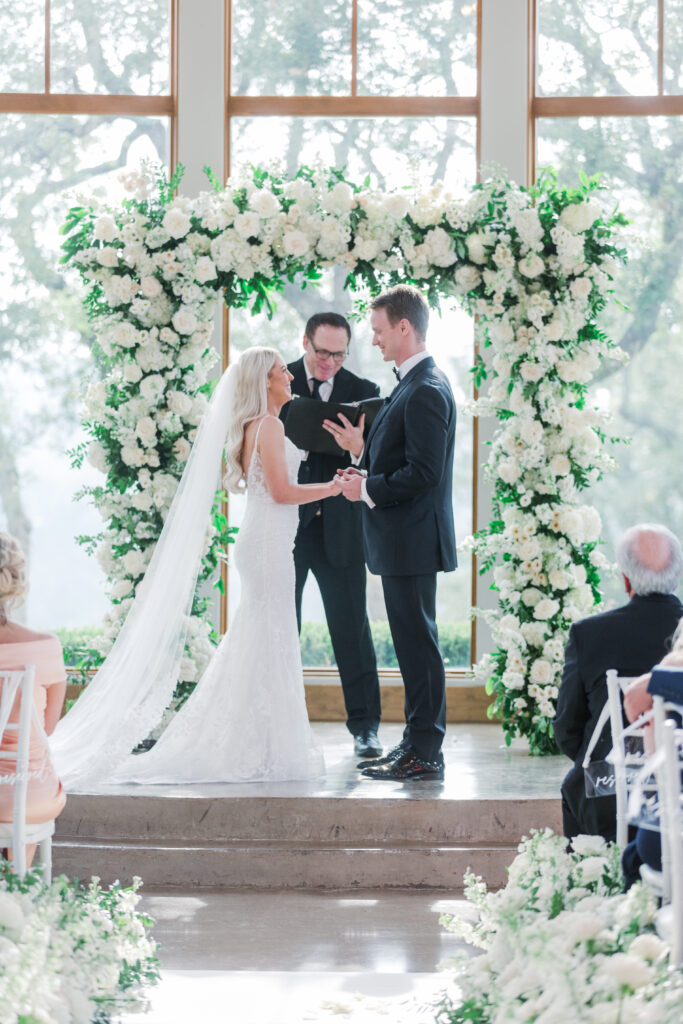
(69, 954)
(563, 943)
(533, 265)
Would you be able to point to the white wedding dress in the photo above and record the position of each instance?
(246, 720)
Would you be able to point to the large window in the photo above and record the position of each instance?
(387, 89)
(83, 95)
(609, 100)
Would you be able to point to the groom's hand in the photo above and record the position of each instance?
(348, 437)
(350, 482)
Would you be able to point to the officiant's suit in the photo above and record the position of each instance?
(329, 543)
(409, 536)
(630, 639)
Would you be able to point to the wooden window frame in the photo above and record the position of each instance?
(354, 105)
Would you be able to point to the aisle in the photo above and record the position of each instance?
(294, 957)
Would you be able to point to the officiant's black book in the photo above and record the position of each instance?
(304, 421)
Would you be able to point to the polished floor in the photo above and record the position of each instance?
(286, 958)
(479, 766)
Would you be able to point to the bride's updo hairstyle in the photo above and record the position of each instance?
(249, 401)
(13, 584)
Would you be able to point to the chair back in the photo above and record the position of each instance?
(11, 682)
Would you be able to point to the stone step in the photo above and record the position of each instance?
(343, 820)
(284, 865)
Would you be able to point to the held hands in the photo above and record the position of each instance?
(350, 483)
(348, 437)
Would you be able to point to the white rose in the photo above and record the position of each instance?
(628, 970)
(150, 287)
(579, 216)
(533, 633)
(124, 335)
(339, 199)
(182, 449)
(581, 288)
(264, 203)
(476, 243)
(531, 432)
(396, 206)
(132, 455)
(541, 672)
(560, 465)
(531, 371)
(132, 373)
(648, 947)
(108, 257)
(513, 680)
(176, 223)
(185, 321)
(582, 927)
(121, 588)
(179, 403)
(295, 243)
(508, 470)
(187, 671)
(247, 224)
(97, 456)
(146, 430)
(531, 265)
(546, 608)
(531, 596)
(105, 229)
(141, 500)
(133, 563)
(559, 579)
(467, 277)
(205, 270)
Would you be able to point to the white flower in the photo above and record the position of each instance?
(579, 216)
(513, 680)
(531, 596)
(508, 470)
(467, 277)
(531, 265)
(132, 373)
(134, 563)
(179, 403)
(141, 500)
(185, 320)
(559, 579)
(176, 223)
(108, 257)
(97, 456)
(105, 228)
(541, 671)
(146, 430)
(295, 243)
(648, 947)
(531, 371)
(475, 245)
(121, 588)
(132, 455)
(581, 288)
(546, 608)
(339, 199)
(628, 970)
(531, 431)
(150, 287)
(205, 270)
(182, 449)
(12, 917)
(247, 225)
(560, 465)
(533, 633)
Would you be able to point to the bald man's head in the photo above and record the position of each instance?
(649, 557)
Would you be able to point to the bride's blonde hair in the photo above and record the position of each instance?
(249, 401)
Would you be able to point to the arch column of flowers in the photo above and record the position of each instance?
(533, 266)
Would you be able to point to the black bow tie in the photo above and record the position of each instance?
(396, 373)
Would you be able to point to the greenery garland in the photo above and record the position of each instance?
(533, 265)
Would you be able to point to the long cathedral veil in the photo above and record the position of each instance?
(134, 685)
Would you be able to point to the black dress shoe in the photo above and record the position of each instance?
(367, 744)
(390, 756)
(407, 768)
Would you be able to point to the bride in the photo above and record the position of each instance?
(246, 720)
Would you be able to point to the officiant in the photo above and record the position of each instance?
(329, 541)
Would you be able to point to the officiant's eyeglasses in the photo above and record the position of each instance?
(324, 353)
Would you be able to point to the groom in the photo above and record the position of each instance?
(408, 530)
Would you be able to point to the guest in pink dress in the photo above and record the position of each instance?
(20, 646)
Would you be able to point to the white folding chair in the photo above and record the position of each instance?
(17, 833)
(619, 757)
(664, 766)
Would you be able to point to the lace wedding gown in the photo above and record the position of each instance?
(246, 720)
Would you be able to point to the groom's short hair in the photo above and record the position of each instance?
(404, 302)
(326, 320)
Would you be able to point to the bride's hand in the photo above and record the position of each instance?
(335, 486)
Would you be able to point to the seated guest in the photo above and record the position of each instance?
(646, 848)
(20, 646)
(630, 639)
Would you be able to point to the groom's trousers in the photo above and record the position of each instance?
(343, 593)
(411, 609)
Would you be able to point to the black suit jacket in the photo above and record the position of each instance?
(630, 639)
(341, 520)
(409, 459)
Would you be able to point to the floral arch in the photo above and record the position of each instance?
(534, 266)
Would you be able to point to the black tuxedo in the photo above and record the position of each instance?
(330, 545)
(630, 639)
(409, 535)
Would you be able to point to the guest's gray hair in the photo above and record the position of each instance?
(646, 579)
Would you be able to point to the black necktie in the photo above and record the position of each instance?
(396, 372)
(315, 393)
